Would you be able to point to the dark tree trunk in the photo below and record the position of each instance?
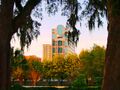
(112, 60)
(9, 26)
(6, 15)
(4, 63)
(5, 38)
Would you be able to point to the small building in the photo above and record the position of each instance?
(47, 52)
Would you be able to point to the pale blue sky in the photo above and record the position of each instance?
(86, 40)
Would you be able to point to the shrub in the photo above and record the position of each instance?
(16, 87)
(79, 83)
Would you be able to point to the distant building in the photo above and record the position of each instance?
(60, 41)
(47, 52)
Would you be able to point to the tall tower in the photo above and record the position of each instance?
(60, 41)
(47, 52)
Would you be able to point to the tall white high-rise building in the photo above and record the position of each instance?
(60, 41)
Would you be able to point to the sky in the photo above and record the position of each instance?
(86, 39)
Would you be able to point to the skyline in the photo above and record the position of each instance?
(86, 39)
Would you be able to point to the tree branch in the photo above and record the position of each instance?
(18, 5)
(21, 18)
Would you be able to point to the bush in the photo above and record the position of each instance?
(94, 88)
(79, 83)
(16, 87)
(98, 81)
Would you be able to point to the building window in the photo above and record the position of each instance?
(53, 50)
(54, 36)
(59, 43)
(59, 50)
(53, 43)
(66, 43)
(66, 34)
(60, 30)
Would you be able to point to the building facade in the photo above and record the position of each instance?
(60, 41)
(47, 52)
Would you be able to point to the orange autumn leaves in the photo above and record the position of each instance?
(29, 69)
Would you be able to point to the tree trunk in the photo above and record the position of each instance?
(112, 59)
(6, 15)
(5, 38)
(4, 64)
(8, 26)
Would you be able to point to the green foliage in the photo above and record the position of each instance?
(62, 68)
(98, 81)
(18, 60)
(73, 66)
(93, 66)
(19, 65)
(47, 69)
(22, 66)
(26, 34)
(28, 30)
(79, 83)
(95, 10)
(37, 66)
(93, 61)
(17, 87)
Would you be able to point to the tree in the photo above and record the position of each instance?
(19, 66)
(96, 9)
(35, 72)
(79, 83)
(48, 70)
(59, 69)
(62, 67)
(35, 69)
(10, 23)
(93, 63)
(73, 66)
(18, 74)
